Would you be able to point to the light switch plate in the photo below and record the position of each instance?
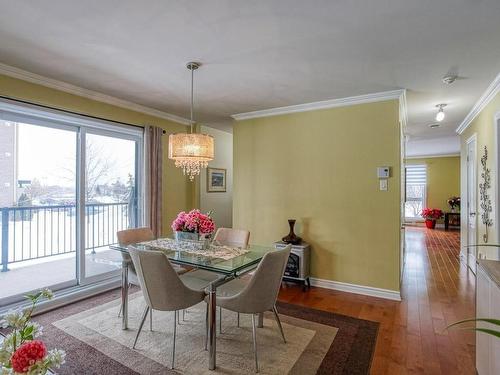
(383, 185)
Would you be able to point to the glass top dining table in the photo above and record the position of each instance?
(227, 269)
(233, 266)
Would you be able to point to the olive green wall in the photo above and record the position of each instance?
(443, 180)
(319, 167)
(177, 190)
(484, 128)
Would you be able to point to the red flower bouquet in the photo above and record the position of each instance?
(21, 351)
(431, 215)
(27, 355)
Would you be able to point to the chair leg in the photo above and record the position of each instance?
(220, 319)
(143, 319)
(151, 320)
(254, 333)
(206, 328)
(238, 319)
(176, 313)
(120, 312)
(277, 317)
(183, 314)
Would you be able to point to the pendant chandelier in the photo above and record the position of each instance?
(191, 151)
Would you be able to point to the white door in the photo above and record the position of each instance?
(471, 203)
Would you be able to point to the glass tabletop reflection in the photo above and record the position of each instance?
(252, 256)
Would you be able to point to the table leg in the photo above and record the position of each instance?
(125, 295)
(212, 306)
(261, 320)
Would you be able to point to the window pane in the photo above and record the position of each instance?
(416, 183)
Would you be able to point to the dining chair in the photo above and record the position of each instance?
(162, 288)
(226, 237)
(131, 236)
(232, 237)
(258, 294)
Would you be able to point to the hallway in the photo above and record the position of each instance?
(437, 290)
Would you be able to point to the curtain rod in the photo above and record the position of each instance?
(72, 112)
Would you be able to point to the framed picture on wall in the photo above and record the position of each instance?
(216, 180)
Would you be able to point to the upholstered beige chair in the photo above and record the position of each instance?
(232, 237)
(227, 237)
(162, 288)
(258, 294)
(135, 235)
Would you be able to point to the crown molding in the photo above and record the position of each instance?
(89, 94)
(488, 95)
(433, 156)
(343, 102)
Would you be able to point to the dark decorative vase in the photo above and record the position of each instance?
(292, 237)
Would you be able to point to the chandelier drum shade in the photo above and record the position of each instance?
(191, 151)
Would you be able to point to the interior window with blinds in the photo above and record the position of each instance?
(416, 183)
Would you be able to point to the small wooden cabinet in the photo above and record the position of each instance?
(487, 306)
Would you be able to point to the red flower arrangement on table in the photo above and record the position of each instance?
(431, 215)
(21, 352)
(194, 222)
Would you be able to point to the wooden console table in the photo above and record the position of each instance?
(447, 216)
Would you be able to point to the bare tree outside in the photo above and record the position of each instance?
(414, 200)
(98, 166)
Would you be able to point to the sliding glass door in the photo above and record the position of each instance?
(67, 185)
(111, 198)
(38, 207)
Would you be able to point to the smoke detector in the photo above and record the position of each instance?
(434, 125)
(449, 79)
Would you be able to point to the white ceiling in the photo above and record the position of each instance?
(261, 54)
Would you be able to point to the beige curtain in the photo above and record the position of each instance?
(154, 178)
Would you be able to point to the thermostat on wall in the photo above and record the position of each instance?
(383, 172)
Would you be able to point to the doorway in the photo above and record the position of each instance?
(471, 201)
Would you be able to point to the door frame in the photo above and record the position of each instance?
(496, 140)
(471, 139)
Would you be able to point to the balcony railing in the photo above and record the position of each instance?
(29, 233)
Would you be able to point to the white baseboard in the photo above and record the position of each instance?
(357, 289)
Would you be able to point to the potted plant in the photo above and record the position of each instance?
(22, 352)
(454, 202)
(193, 225)
(431, 215)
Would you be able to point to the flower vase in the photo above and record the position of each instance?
(186, 236)
(292, 238)
(430, 224)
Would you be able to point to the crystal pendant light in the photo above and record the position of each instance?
(191, 151)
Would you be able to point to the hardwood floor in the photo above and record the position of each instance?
(437, 290)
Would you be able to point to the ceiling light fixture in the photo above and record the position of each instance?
(191, 151)
(449, 79)
(440, 115)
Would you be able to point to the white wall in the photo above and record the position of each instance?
(433, 146)
(220, 203)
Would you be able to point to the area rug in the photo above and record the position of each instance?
(317, 341)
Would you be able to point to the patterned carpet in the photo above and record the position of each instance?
(318, 342)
